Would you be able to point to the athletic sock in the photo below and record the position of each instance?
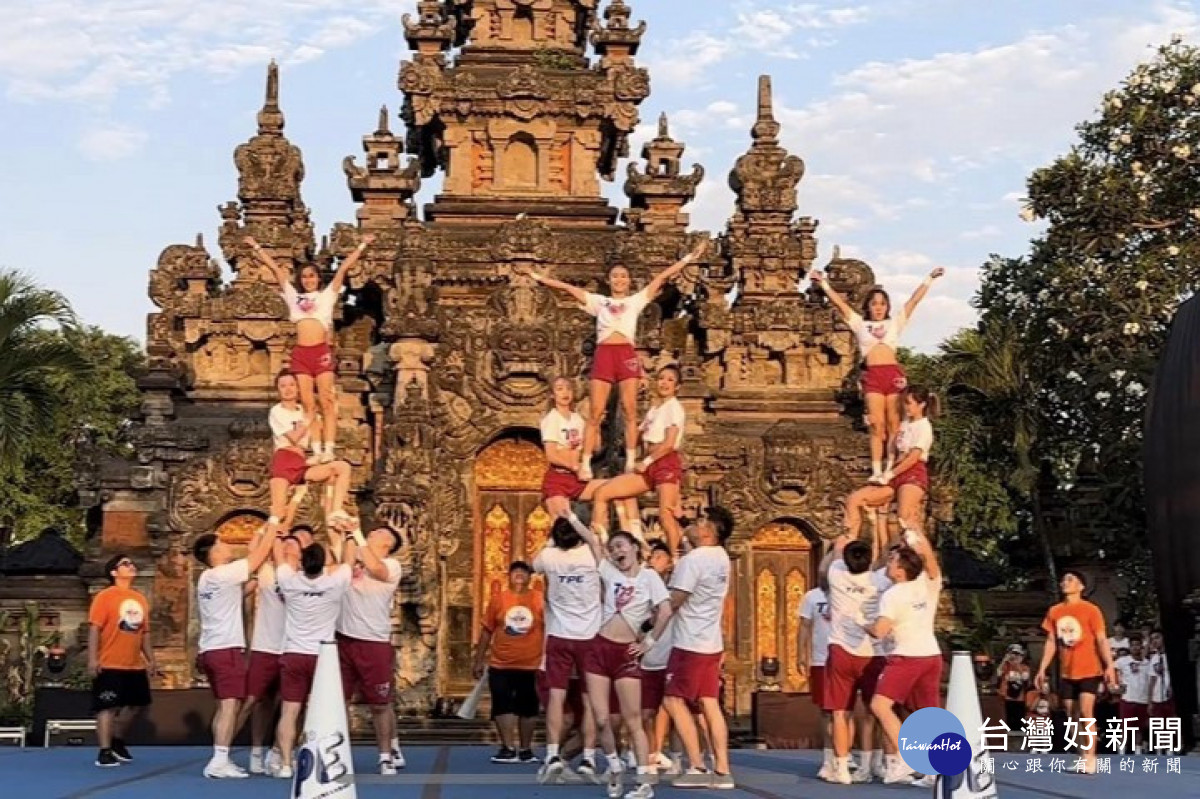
(221, 754)
(614, 762)
(551, 751)
(876, 467)
(590, 755)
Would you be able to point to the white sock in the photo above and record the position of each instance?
(221, 754)
(643, 770)
(842, 762)
(614, 761)
(876, 467)
(551, 751)
(256, 751)
(329, 448)
(876, 757)
(318, 447)
(889, 464)
(395, 744)
(864, 758)
(385, 757)
(590, 755)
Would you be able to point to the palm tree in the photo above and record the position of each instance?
(989, 363)
(28, 360)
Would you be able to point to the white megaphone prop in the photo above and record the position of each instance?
(470, 705)
(324, 762)
(962, 699)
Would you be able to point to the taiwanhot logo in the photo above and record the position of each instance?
(933, 741)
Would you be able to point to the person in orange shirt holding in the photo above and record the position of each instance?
(119, 658)
(1075, 631)
(514, 630)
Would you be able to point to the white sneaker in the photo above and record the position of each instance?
(876, 479)
(693, 778)
(825, 772)
(928, 781)
(840, 773)
(257, 764)
(631, 760)
(898, 773)
(327, 457)
(614, 789)
(274, 761)
(862, 775)
(283, 773)
(587, 770)
(398, 758)
(224, 770)
(551, 771)
(643, 791)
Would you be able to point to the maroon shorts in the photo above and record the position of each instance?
(884, 380)
(368, 667)
(667, 469)
(1139, 711)
(616, 363)
(654, 684)
(262, 677)
(565, 658)
(561, 483)
(296, 676)
(847, 675)
(1163, 710)
(915, 475)
(313, 360)
(226, 672)
(816, 685)
(693, 676)
(612, 660)
(289, 465)
(574, 704)
(914, 682)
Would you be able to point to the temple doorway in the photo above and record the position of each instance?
(510, 522)
(782, 562)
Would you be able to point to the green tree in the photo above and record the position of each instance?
(37, 491)
(30, 360)
(1091, 304)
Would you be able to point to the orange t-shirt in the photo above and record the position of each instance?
(518, 626)
(1078, 628)
(123, 617)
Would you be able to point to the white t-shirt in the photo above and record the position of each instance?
(572, 592)
(853, 602)
(870, 334)
(616, 315)
(367, 607)
(270, 616)
(635, 598)
(312, 604)
(661, 418)
(219, 605)
(566, 432)
(283, 421)
(703, 573)
(317, 305)
(1135, 676)
(1115, 643)
(814, 608)
(657, 656)
(912, 607)
(915, 434)
(1161, 691)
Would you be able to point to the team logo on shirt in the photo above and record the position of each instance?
(132, 616)
(623, 594)
(877, 329)
(615, 308)
(1068, 630)
(518, 620)
(823, 611)
(306, 303)
(572, 436)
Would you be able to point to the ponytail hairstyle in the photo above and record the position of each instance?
(925, 396)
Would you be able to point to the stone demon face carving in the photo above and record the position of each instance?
(518, 351)
(789, 460)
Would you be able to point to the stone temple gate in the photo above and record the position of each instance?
(446, 351)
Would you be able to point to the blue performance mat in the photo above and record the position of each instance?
(460, 772)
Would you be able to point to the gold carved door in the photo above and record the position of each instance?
(783, 571)
(511, 523)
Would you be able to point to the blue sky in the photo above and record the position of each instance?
(918, 120)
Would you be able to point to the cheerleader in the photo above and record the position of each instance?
(311, 308)
(908, 481)
(562, 439)
(661, 469)
(290, 426)
(632, 595)
(616, 359)
(878, 335)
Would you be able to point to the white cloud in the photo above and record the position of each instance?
(685, 60)
(90, 50)
(985, 232)
(111, 143)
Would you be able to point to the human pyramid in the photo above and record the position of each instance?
(616, 650)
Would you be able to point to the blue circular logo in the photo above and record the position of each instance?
(933, 741)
